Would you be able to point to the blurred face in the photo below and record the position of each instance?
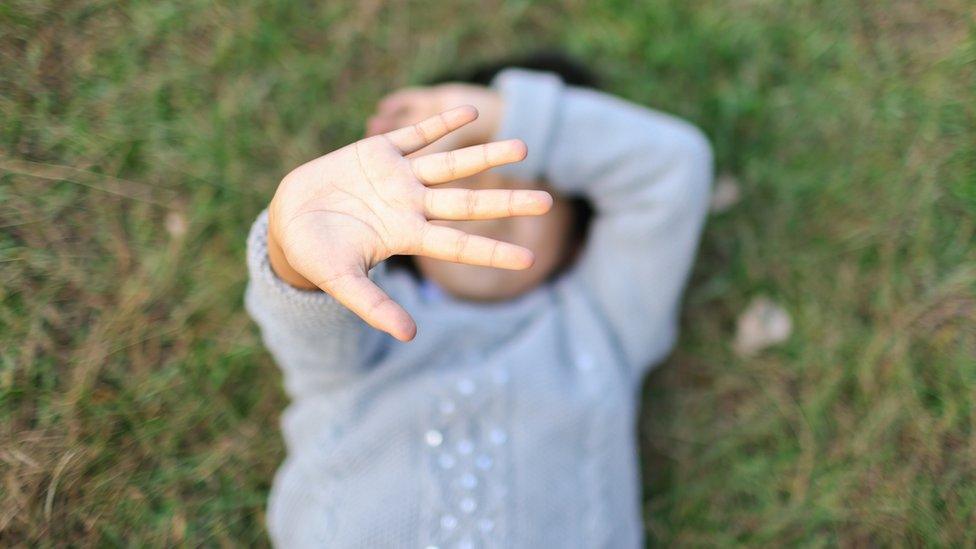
(546, 235)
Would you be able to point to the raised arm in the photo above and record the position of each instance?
(334, 219)
(318, 343)
(648, 177)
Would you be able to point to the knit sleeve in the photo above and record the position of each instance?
(317, 342)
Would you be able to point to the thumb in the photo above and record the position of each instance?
(354, 290)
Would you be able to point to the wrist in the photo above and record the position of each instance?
(279, 263)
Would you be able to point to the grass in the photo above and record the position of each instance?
(137, 405)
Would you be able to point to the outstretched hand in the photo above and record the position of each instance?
(336, 217)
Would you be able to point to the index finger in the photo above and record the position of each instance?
(414, 137)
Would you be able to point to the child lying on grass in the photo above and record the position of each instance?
(508, 418)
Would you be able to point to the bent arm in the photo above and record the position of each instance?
(648, 177)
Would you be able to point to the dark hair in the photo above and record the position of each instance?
(571, 72)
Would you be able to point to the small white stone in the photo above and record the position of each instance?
(725, 194)
(483, 462)
(761, 325)
(468, 505)
(446, 461)
(433, 438)
(465, 447)
(497, 437)
(449, 522)
(465, 386)
(468, 481)
(175, 224)
(486, 525)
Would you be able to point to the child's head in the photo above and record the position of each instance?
(555, 237)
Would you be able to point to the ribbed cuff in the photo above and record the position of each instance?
(531, 108)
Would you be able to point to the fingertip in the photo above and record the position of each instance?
(544, 201)
(520, 259)
(519, 148)
(390, 317)
(467, 113)
(405, 332)
(509, 151)
(513, 257)
(402, 326)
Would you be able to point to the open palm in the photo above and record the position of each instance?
(339, 215)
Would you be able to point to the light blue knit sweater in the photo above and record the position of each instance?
(500, 425)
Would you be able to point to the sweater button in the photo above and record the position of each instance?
(446, 461)
(433, 438)
(497, 437)
(446, 407)
(448, 522)
(468, 481)
(465, 386)
(483, 462)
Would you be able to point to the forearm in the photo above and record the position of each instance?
(316, 341)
